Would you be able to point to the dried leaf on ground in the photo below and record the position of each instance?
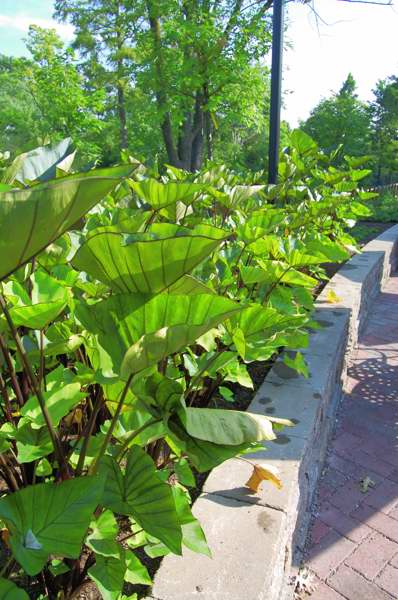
(260, 474)
(304, 584)
(332, 297)
(366, 483)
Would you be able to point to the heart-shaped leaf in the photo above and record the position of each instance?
(158, 195)
(9, 591)
(136, 335)
(139, 492)
(226, 427)
(145, 263)
(32, 218)
(49, 518)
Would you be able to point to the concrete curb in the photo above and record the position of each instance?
(256, 539)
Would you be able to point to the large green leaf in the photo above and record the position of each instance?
(145, 263)
(30, 219)
(257, 319)
(192, 533)
(47, 300)
(59, 402)
(302, 142)
(274, 271)
(41, 163)
(259, 224)
(226, 427)
(32, 444)
(49, 518)
(158, 195)
(9, 591)
(139, 492)
(102, 538)
(189, 285)
(136, 573)
(108, 574)
(139, 334)
(238, 195)
(192, 316)
(203, 455)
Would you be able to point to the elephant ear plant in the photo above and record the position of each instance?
(113, 330)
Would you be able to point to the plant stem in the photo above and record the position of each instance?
(10, 474)
(130, 535)
(150, 220)
(198, 375)
(5, 568)
(94, 466)
(41, 377)
(6, 398)
(87, 433)
(11, 372)
(36, 388)
(132, 436)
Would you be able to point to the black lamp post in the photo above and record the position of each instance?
(276, 85)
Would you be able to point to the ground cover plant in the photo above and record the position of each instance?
(385, 207)
(128, 298)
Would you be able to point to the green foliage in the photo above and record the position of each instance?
(384, 208)
(39, 519)
(46, 97)
(341, 122)
(384, 110)
(197, 70)
(128, 300)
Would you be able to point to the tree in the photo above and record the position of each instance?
(66, 108)
(104, 33)
(385, 130)
(341, 120)
(189, 60)
(19, 116)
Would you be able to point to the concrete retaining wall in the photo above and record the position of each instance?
(256, 539)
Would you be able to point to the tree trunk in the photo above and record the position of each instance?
(161, 98)
(197, 134)
(121, 110)
(121, 98)
(185, 142)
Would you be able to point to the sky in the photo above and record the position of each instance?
(346, 37)
(357, 38)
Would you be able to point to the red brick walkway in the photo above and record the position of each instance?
(353, 541)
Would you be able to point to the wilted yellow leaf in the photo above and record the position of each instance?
(74, 417)
(260, 474)
(5, 537)
(332, 297)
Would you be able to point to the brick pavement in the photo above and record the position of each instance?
(352, 548)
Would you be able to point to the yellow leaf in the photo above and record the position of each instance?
(260, 474)
(5, 537)
(74, 417)
(332, 297)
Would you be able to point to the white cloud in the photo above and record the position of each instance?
(21, 22)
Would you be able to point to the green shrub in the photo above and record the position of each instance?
(117, 329)
(385, 208)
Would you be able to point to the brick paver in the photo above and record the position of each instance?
(388, 580)
(352, 547)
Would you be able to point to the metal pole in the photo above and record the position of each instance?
(276, 85)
